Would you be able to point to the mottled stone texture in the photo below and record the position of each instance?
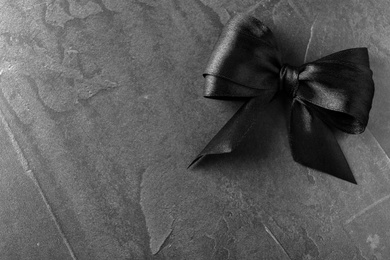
(101, 111)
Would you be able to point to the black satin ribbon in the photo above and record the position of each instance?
(335, 91)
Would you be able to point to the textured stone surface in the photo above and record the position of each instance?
(102, 110)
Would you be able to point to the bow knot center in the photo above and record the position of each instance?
(289, 80)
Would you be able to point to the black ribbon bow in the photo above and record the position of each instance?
(335, 91)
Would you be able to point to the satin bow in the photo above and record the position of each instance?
(335, 91)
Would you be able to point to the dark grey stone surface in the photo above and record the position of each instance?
(102, 110)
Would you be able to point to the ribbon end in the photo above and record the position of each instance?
(195, 160)
(314, 145)
(353, 181)
(347, 176)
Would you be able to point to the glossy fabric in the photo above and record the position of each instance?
(335, 91)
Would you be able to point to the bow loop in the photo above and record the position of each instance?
(340, 88)
(245, 61)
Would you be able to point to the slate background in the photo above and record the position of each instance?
(101, 111)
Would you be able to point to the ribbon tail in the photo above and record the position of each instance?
(313, 144)
(234, 131)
